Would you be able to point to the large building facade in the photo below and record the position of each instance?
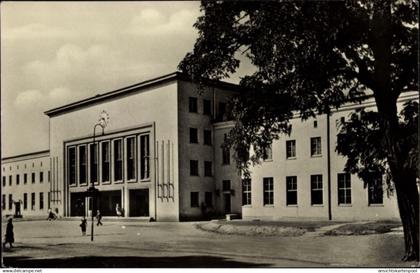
(160, 157)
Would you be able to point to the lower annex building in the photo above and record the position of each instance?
(160, 157)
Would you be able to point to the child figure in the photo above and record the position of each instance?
(83, 225)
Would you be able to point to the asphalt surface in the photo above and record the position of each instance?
(60, 244)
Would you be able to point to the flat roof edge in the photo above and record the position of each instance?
(27, 154)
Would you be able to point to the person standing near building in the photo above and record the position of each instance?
(98, 218)
(118, 210)
(9, 237)
(83, 225)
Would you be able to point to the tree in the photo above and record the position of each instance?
(311, 57)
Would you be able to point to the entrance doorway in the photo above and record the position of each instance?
(139, 202)
(77, 204)
(226, 198)
(108, 201)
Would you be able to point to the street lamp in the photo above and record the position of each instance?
(102, 122)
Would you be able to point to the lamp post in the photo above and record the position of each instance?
(102, 122)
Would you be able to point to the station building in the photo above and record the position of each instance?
(160, 157)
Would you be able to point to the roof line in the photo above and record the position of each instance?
(27, 154)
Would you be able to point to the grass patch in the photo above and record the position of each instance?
(305, 225)
(377, 227)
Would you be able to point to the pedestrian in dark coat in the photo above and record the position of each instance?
(83, 225)
(98, 218)
(10, 238)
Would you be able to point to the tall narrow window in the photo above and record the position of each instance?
(206, 107)
(49, 176)
(194, 167)
(225, 156)
(25, 178)
(291, 190)
(118, 160)
(41, 200)
(246, 192)
(41, 177)
(32, 201)
(316, 190)
(144, 157)
(3, 201)
(315, 146)
(375, 189)
(10, 201)
(268, 191)
(193, 135)
(25, 201)
(291, 149)
(194, 200)
(93, 154)
(131, 158)
(17, 179)
(226, 185)
(82, 164)
(208, 168)
(49, 199)
(10, 180)
(4, 181)
(72, 165)
(344, 188)
(192, 104)
(105, 161)
(33, 178)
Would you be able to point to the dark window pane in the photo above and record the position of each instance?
(82, 164)
(193, 135)
(144, 154)
(192, 105)
(118, 160)
(194, 199)
(208, 168)
(208, 199)
(206, 107)
(131, 158)
(194, 167)
(246, 192)
(207, 137)
(105, 161)
(71, 166)
(93, 163)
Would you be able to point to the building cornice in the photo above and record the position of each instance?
(26, 156)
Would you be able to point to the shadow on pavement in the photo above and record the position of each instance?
(129, 262)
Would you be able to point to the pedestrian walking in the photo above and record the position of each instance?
(9, 237)
(98, 218)
(83, 225)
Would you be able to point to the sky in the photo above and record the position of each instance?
(55, 53)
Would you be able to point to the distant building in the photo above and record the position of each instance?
(160, 157)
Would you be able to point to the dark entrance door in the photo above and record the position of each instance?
(108, 201)
(139, 202)
(77, 203)
(226, 198)
(17, 209)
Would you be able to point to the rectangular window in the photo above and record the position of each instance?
(226, 185)
(49, 176)
(131, 158)
(72, 165)
(3, 201)
(25, 178)
(41, 200)
(206, 107)
(32, 201)
(49, 199)
(105, 158)
(344, 188)
(375, 189)
(225, 156)
(17, 179)
(291, 190)
(208, 168)
(25, 201)
(208, 199)
(145, 156)
(41, 177)
(207, 137)
(82, 164)
(246, 192)
(192, 104)
(194, 167)
(268, 191)
(4, 181)
(291, 149)
(268, 153)
(33, 178)
(194, 199)
(10, 180)
(93, 161)
(193, 135)
(118, 160)
(10, 201)
(315, 124)
(315, 146)
(316, 190)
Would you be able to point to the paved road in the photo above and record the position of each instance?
(140, 244)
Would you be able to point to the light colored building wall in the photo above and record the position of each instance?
(34, 163)
(153, 109)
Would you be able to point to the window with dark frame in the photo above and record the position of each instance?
(225, 156)
(268, 184)
(82, 164)
(49, 199)
(131, 158)
(10, 201)
(4, 181)
(17, 179)
(375, 189)
(316, 146)
(41, 177)
(32, 201)
(291, 149)
(246, 192)
(33, 178)
(208, 168)
(41, 200)
(194, 200)
(206, 107)
(268, 153)
(344, 188)
(207, 137)
(193, 135)
(25, 178)
(194, 167)
(93, 162)
(316, 190)
(49, 176)
(3, 201)
(192, 102)
(71, 165)
(315, 124)
(291, 190)
(10, 180)
(118, 160)
(226, 185)
(208, 199)
(25, 201)
(105, 161)
(144, 157)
